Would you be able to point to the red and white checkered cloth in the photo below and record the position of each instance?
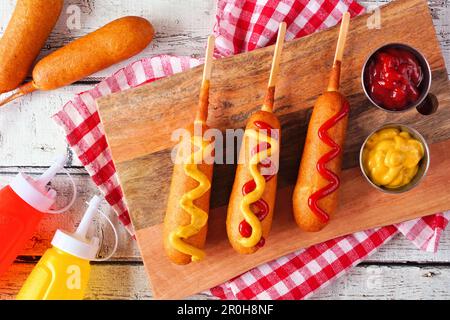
(243, 26)
(85, 134)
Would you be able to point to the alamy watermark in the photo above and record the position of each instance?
(73, 21)
(234, 146)
(73, 281)
(374, 19)
(374, 278)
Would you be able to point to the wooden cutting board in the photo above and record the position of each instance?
(139, 123)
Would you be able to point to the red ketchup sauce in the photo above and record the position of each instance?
(394, 77)
(321, 164)
(245, 229)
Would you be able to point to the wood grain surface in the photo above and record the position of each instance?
(29, 141)
(361, 208)
(111, 281)
(139, 123)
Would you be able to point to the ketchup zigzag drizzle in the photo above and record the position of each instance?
(245, 227)
(323, 171)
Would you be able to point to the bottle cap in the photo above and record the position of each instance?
(35, 192)
(77, 244)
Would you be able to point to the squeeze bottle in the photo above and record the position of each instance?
(23, 204)
(63, 271)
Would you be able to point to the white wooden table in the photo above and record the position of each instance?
(29, 140)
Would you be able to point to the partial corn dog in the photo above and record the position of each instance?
(186, 219)
(315, 197)
(252, 200)
(27, 31)
(116, 41)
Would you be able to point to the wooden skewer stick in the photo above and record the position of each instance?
(335, 76)
(270, 96)
(202, 112)
(21, 91)
(342, 37)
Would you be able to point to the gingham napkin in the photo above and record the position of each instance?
(242, 26)
(86, 136)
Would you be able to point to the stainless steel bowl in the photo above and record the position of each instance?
(425, 85)
(423, 164)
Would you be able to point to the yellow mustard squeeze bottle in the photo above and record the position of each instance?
(391, 157)
(63, 271)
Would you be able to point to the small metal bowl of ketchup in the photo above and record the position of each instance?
(423, 164)
(396, 78)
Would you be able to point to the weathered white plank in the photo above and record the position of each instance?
(181, 28)
(128, 281)
(28, 136)
(391, 283)
(398, 250)
(401, 250)
(108, 282)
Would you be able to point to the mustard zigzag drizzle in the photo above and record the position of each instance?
(199, 217)
(260, 182)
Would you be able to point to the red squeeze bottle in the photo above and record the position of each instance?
(23, 204)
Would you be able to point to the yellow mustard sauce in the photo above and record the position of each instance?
(260, 182)
(199, 217)
(391, 157)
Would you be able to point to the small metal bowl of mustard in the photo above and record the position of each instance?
(394, 158)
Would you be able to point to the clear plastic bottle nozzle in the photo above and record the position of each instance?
(35, 191)
(78, 244)
(88, 217)
(51, 172)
